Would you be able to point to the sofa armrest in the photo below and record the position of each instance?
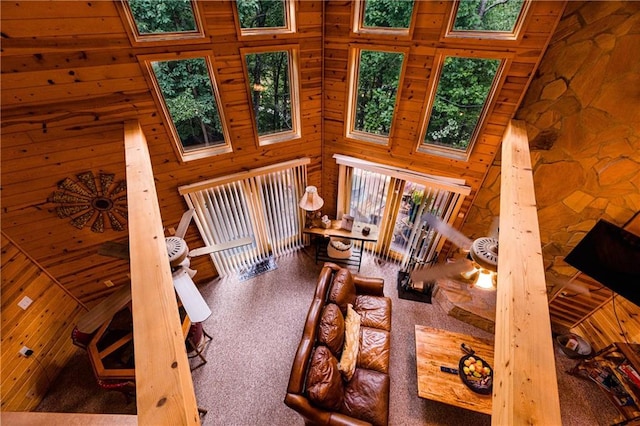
(369, 285)
(315, 415)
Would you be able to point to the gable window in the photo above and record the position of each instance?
(375, 78)
(488, 18)
(383, 17)
(189, 99)
(257, 17)
(163, 20)
(273, 88)
(460, 102)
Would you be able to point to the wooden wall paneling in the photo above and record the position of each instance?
(44, 327)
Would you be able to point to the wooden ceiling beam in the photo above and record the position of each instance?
(525, 387)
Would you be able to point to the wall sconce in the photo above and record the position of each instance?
(311, 202)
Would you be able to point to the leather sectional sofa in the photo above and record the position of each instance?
(318, 390)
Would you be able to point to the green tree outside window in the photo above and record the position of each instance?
(461, 95)
(188, 94)
(261, 13)
(163, 16)
(487, 15)
(387, 13)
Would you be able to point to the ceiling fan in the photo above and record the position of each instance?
(482, 255)
(179, 259)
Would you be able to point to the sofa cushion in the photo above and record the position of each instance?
(366, 396)
(349, 356)
(375, 345)
(375, 311)
(324, 381)
(331, 329)
(342, 291)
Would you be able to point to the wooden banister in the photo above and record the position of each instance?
(30, 418)
(525, 389)
(164, 387)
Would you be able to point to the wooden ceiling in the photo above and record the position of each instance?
(71, 76)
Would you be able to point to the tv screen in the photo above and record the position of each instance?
(610, 255)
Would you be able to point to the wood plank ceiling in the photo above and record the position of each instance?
(71, 76)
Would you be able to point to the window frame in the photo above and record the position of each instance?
(290, 15)
(352, 92)
(163, 39)
(358, 26)
(198, 153)
(294, 83)
(498, 81)
(464, 35)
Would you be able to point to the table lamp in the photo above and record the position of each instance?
(310, 202)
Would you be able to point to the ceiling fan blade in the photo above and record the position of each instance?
(452, 234)
(222, 246)
(192, 300)
(577, 289)
(184, 223)
(105, 310)
(442, 271)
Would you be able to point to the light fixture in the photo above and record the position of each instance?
(484, 254)
(485, 279)
(311, 202)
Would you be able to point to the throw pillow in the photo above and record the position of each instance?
(331, 330)
(349, 356)
(324, 382)
(343, 290)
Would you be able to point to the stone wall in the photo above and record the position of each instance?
(583, 120)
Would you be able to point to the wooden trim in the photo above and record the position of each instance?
(44, 271)
(199, 186)
(165, 393)
(525, 387)
(29, 418)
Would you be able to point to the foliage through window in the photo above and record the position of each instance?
(387, 13)
(463, 90)
(487, 15)
(261, 13)
(377, 89)
(163, 16)
(272, 90)
(189, 96)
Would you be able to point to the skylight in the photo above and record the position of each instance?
(265, 16)
(163, 20)
(383, 17)
(487, 18)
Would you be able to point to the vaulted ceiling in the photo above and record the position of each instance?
(71, 75)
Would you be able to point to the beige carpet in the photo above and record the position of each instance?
(256, 326)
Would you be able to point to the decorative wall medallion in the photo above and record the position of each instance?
(90, 199)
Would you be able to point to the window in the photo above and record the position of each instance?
(190, 102)
(383, 17)
(487, 18)
(460, 102)
(373, 96)
(258, 17)
(273, 87)
(163, 20)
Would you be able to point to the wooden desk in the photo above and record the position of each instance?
(335, 231)
(435, 348)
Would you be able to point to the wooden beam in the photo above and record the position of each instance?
(525, 389)
(29, 418)
(164, 388)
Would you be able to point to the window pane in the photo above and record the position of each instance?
(188, 94)
(487, 15)
(461, 95)
(163, 16)
(270, 91)
(368, 196)
(261, 13)
(388, 14)
(378, 78)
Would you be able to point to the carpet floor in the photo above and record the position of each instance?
(256, 326)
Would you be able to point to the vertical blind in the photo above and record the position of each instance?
(395, 200)
(261, 203)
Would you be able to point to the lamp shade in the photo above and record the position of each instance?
(311, 201)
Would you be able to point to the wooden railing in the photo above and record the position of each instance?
(525, 388)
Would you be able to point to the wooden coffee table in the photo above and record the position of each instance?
(435, 348)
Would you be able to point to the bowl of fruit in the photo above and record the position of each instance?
(475, 372)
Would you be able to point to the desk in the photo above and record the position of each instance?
(335, 231)
(435, 348)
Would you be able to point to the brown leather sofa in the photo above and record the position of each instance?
(317, 390)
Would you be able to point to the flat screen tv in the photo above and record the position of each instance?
(611, 256)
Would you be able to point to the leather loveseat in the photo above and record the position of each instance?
(317, 390)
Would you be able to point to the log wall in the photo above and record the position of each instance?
(45, 327)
